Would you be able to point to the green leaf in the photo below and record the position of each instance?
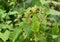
(54, 36)
(12, 13)
(35, 23)
(4, 26)
(54, 2)
(53, 12)
(41, 38)
(46, 2)
(16, 35)
(4, 36)
(35, 2)
(55, 29)
(11, 3)
(8, 22)
(27, 30)
(42, 1)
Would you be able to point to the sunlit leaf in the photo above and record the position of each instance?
(54, 36)
(5, 36)
(53, 12)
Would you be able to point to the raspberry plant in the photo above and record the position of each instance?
(29, 21)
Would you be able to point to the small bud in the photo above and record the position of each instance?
(19, 17)
(29, 21)
(33, 9)
(27, 15)
(49, 24)
(24, 35)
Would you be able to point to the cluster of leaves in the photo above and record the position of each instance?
(29, 21)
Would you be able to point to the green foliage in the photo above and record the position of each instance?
(4, 36)
(29, 21)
